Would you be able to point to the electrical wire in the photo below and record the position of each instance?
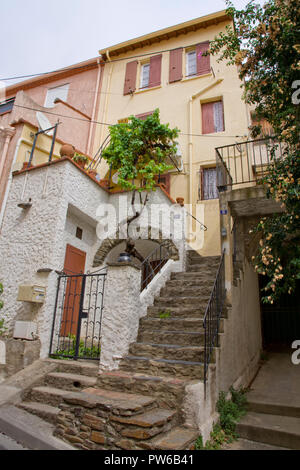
(66, 69)
(109, 124)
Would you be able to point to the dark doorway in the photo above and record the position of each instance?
(281, 320)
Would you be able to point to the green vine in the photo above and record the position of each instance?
(138, 150)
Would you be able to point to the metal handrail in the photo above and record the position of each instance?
(212, 316)
(161, 255)
(246, 162)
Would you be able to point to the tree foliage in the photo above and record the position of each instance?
(139, 150)
(264, 45)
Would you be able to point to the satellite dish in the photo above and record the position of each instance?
(44, 122)
(115, 177)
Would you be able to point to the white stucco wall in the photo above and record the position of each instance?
(62, 198)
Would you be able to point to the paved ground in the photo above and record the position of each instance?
(7, 443)
(244, 444)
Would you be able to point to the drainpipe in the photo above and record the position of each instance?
(9, 182)
(107, 96)
(8, 135)
(190, 151)
(92, 125)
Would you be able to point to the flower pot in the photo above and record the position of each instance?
(180, 201)
(25, 166)
(92, 173)
(81, 163)
(67, 150)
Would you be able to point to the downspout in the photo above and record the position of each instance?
(92, 124)
(9, 182)
(191, 100)
(191, 151)
(9, 133)
(107, 96)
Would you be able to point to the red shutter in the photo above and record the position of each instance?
(130, 77)
(155, 71)
(144, 116)
(208, 124)
(175, 66)
(203, 62)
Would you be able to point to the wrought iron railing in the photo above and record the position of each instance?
(246, 162)
(212, 317)
(76, 330)
(154, 262)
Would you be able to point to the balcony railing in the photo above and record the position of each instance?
(246, 163)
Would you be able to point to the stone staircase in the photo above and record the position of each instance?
(138, 406)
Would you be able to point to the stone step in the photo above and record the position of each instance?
(192, 338)
(168, 391)
(68, 381)
(168, 351)
(203, 261)
(46, 412)
(178, 323)
(204, 276)
(262, 403)
(191, 282)
(178, 438)
(208, 268)
(47, 395)
(181, 291)
(191, 254)
(146, 425)
(283, 431)
(181, 301)
(81, 367)
(158, 311)
(164, 367)
(117, 402)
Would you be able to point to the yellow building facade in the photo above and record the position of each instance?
(195, 93)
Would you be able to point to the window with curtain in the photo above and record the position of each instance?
(209, 183)
(145, 75)
(212, 117)
(190, 63)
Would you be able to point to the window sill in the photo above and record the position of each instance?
(143, 90)
(193, 77)
(208, 201)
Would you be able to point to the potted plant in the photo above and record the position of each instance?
(81, 160)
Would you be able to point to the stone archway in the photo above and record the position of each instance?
(108, 244)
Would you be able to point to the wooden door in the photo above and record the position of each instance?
(74, 264)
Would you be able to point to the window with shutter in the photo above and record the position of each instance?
(60, 92)
(190, 63)
(208, 183)
(145, 75)
(212, 117)
(175, 65)
(130, 77)
(203, 62)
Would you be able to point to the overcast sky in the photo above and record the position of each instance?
(38, 36)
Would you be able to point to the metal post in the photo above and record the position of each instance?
(53, 142)
(79, 316)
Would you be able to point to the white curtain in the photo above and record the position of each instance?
(209, 183)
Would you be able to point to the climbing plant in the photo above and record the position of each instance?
(138, 150)
(264, 45)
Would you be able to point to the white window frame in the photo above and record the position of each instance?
(188, 72)
(144, 83)
(60, 92)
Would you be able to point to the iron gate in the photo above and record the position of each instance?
(76, 330)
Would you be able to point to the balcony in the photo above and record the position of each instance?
(245, 164)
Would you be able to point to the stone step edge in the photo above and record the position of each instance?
(165, 361)
(30, 430)
(171, 346)
(92, 399)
